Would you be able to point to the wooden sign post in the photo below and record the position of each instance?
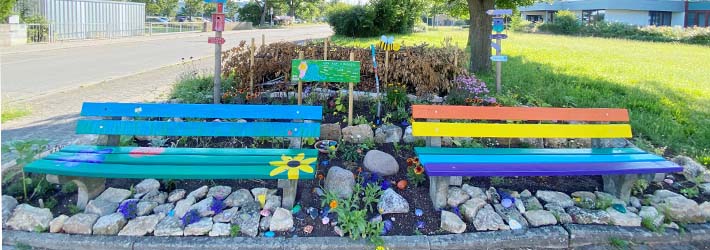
(217, 40)
(498, 27)
(327, 71)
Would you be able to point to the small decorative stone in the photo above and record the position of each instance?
(55, 226)
(313, 212)
(141, 225)
(318, 191)
(620, 208)
(402, 184)
(514, 225)
(532, 203)
(525, 194)
(80, 223)
(554, 197)
(146, 186)
(635, 202)
(538, 218)
(101, 207)
(265, 212)
(506, 203)
(115, 195)
(238, 198)
(586, 216)
(8, 205)
(29, 218)
(155, 196)
(169, 226)
(176, 195)
(470, 208)
(164, 208)
(109, 225)
(421, 224)
(388, 225)
(296, 209)
(519, 205)
(281, 221)
(474, 192)
(450, 222)
(668, 181)
(376, 218)
(182, 206)
(340, 181)
(199, 193)
(201, 227)
(391, 202)
(308, 229)
(418, 212)
(487, 219)
(226, 216)
(219, 229)
(145, 207)
(219, 192)
(339, 231)
(325, 220)
(272, 202)
(492, 195)
(456, 196)
(623, 219)
(269, 234)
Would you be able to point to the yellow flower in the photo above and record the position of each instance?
(293, 165)
(380, 248)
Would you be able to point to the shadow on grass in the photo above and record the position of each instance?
(666, 118)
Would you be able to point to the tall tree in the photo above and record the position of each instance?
(6, 9)
(193, 7)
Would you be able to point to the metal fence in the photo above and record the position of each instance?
(46, 33)
(172, 27)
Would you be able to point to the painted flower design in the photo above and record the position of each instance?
(85, 156)
(145, 151)
(293, 165)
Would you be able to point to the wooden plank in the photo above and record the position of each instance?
(325, 71)
(279, 129)
(548, 169)
(159, 171)
(224, 111)
(526, 151)
(519, 113)
(495, 130)
(492, 159)
(189, 151)
(145, 158)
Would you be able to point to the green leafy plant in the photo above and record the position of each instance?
(51, 203)
(619, 243)
(309, 141)
(352, 211)
(350, 152)
(73, 209)
(234, 230)
(604, 203)
(359, 120)
(69, 187)
(648, 224)
(26, 152)
(498, 181)
(372, 194)
(691, 192)
(639, 187)
(415, 172)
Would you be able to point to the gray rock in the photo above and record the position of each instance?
(456, 180)
(201, 227)
(635, 202)
(680, 209)
(650, 213)
(29, 218)
(456, 196)
(474, 192)
(470, 208)
(219, 192)
(559, 213)
(357, 134)
(672, 225)
(226, 216)
(176, 195)
(101, 207)
(408, 137)
(115, 195)
(388, 134)
(199, 193)
(488, 220)
(608, 197)
(264, 223)
(381, 163)
(182, 206)
(81, 223)
(525, 194)
(8, 204)
(554, 197)
(611, 143)
(281, 221)
(262, 191)
(272, 202)
(691, 169)
(248, 219)
(155, 196)
(632, 210)
(141, 225)
(511, 215)
(340, 181)
(584, 199)
(164, 208)
(392, 203)
(145, 207)
(169, 226)
(147, 185)
(330, 131)
(450, 222)
(203, 207)
(538, 218)
(520, 205)
(219, 229)
(492, 195)
(627, 219)
(532, 203)
(586, 216)
(109, 225)
(55, 226)
(238, 198)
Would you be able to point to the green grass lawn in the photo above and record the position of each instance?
(665, 86)
(10, 113)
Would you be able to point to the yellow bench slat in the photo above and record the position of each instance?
(494, 130)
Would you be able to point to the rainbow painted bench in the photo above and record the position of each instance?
(619, 167)
(88, 166)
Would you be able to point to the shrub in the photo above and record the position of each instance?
(565, 23)
(354, 21)
(195, 88)
(379, 17)
(251, 12)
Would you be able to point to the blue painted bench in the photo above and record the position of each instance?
(89, 165)
(619, 167)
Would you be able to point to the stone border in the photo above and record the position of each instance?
(571, 236)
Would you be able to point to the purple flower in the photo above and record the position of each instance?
(190, 217)
(421, 224)
(456, 211)
(85, 156)
(217, 205)
(129, 209)
(385, 185)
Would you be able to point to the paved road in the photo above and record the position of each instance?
(29, 74)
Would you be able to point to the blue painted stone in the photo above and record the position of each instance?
(620, 208)
(269, 234)
(313, 212)
(418, 212)
(325, 163)
(296, 209)
(506, 203)
(388, 227)
(421, 224)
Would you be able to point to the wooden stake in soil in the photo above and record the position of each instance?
(300, 83)
(350, 95)
(387, 59)
(252, 49)
(263, 40)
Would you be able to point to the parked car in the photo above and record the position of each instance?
(156, 20)
(228, 20)
(182, 18)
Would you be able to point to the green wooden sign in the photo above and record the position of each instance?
(325, 71)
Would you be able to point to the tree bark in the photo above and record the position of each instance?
(263, 14)
(478, 34)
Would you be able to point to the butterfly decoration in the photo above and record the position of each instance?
(387, 43)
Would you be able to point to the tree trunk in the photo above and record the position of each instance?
(263, 14)
(478, 34)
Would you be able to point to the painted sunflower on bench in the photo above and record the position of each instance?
(294, 165)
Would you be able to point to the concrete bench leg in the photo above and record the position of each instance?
(289, 193)
(88, 188)
(438, 190)
(620, 185)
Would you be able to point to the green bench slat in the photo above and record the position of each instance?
(526, 151)
(193, 151)
(424, 159)
(159, 171)
(138, 159)
(225, 111)
(263, 129)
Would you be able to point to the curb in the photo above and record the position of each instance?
(551, 237)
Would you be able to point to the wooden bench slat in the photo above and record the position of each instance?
(190, 151)
(263, 129)
(148, 159)
(159, 171)
(496, 130)
(526, 151)
(519, 113)
(224, 111)
(550, 169)
(460, 159)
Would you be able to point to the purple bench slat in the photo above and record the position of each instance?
(549, 169)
